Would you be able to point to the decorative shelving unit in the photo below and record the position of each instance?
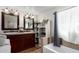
(39, 31)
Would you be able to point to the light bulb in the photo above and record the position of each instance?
(26, 16)
(32, 17)
(16, 13)
(6, 10)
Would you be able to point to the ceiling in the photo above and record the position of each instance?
(48, 9)
(43, 8)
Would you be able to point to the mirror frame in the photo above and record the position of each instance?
(3, 19)
(29, 28)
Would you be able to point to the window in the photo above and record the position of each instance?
(68, 25)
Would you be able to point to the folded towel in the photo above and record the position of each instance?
(2, 39)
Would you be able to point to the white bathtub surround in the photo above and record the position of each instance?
(63, 49)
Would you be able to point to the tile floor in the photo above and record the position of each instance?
(32, 50)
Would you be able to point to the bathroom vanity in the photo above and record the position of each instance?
(21, 40)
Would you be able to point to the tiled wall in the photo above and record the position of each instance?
(68, 44)
(71, 45)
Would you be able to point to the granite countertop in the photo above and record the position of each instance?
(17, 33)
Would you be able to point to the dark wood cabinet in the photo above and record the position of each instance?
(21, 42)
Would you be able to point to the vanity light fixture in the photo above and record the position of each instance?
(26, 16)
(11, 11)
(30, 16)
(16, 13)
(7, 10)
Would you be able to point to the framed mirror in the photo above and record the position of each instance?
(10, 21)
(28, 23)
